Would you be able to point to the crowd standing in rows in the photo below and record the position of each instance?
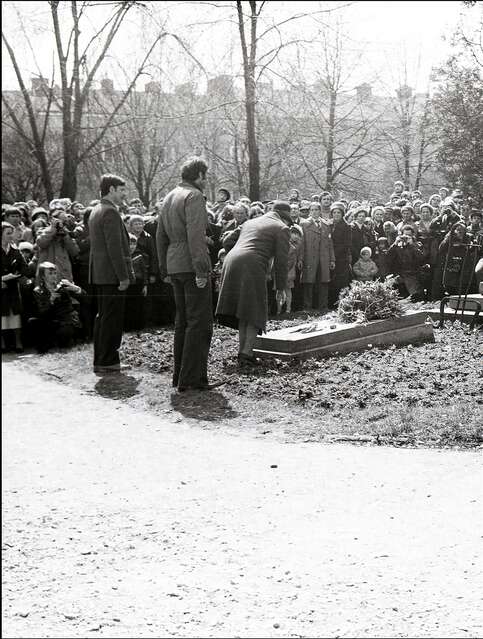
(48, 296)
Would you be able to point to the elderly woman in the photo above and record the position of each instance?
(243, 301)
(13, 267)
(233, 229)
(318, 259)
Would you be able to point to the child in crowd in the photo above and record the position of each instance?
(134, 314)
(365, 269)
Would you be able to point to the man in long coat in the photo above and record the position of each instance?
(242, 303)
(318, 258)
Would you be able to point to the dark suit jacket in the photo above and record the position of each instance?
(110, 257)
(181, 234)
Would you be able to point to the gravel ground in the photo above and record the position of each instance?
(124, 523)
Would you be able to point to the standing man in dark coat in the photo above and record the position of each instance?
(183, 257)
(110, 270)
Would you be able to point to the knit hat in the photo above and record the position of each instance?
(304, 205)
(338, 205)
(366, 249)
(428, 206)
(25, 246)
(378, 208)
(227, 193)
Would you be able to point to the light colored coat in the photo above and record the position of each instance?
(318, 250)
(181, 235)
(59, 250)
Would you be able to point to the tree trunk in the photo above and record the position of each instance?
(250, 97)
(253, 155)
(329, 171)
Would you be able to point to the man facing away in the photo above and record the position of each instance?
(110, 270)
(184, 259)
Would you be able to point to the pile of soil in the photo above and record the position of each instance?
(426, 395)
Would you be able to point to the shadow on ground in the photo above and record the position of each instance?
(204, 405)
(117, 386)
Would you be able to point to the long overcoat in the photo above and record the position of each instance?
(318, 250)
(12, 262)
(243, 286)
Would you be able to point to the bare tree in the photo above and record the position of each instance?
(78, 71)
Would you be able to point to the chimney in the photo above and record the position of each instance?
(404, 92)
(40, 87)
(186, 89)
(107, 85)
(152, 87)
(220, 85)
(364, 92)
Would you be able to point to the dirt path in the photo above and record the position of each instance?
(119, 524)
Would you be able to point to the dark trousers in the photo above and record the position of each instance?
(193, 330)
(321, 290)
(47, 334)
(108, 325)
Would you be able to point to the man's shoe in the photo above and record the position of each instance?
(202, 387)
(212, 385)
(112, 368)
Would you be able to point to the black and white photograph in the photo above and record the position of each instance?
(242, 289)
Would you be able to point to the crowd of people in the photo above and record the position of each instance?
(430, 245)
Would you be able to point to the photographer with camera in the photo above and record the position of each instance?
(56, 321)
(57, 246)
(405, 258)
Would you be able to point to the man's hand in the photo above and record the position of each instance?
(123, 285)
(332, 266)
(144, 291)
(201, 282)
(166, 279)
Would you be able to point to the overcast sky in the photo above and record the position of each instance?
(381, 35)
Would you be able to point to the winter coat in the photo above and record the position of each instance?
(365, 270)
(243, 288)
(147, 246)
(405, 260)
(58, 249)
(12, 262)
(62, 310)
(342, 241)
(181, 234)
(360, 238)
(318, 250)
(295, 254)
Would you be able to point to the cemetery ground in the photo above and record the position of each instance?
(427, 395)
(132, 511)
